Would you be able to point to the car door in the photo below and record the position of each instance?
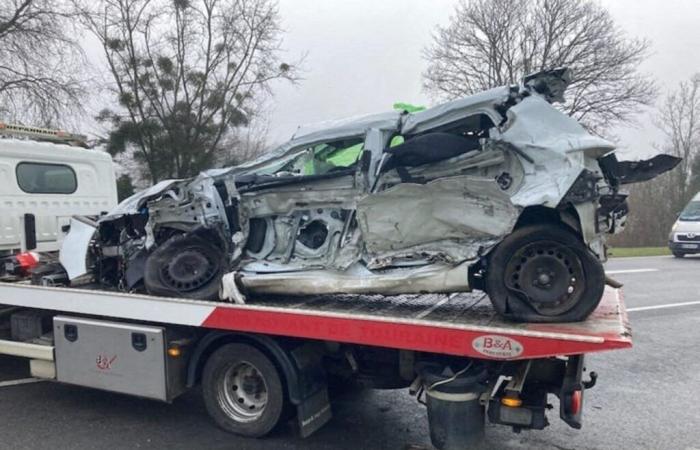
(440, 195)
(300, 215)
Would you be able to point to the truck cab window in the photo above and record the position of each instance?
(44, 178)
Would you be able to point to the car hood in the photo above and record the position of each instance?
(133, 204)
(687, 226)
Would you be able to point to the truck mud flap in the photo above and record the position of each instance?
(313, 405)
(313, 412)
(572, 390)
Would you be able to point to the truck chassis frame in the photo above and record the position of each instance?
(399, 335)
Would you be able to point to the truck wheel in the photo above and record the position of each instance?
(544, 273)
(678, 254)
(242, 390)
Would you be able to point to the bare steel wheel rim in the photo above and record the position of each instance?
(243, 394)
(548, 275)
(189, 269)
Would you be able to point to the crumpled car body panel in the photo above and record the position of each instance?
(301, 220)
(435, 222)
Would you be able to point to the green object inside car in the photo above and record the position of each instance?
(408, 107)
(327, 157)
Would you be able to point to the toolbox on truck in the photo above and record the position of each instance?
(125, 358)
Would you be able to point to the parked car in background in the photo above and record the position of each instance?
(684, 238)
(46, 177)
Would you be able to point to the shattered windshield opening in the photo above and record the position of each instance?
(439, 143)
(323, 158)
(691, 213)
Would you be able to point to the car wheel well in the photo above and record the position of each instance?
(566, 217)
(164, 232)
(573, 281)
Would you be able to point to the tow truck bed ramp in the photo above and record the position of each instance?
(458, 324)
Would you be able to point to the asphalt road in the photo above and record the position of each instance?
(647, 397)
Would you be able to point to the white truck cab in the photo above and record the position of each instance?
(47, 176)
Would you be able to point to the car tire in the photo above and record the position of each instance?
(243, 390)
(187, 266)
(544, 273)
(678, 254)
(39, 272)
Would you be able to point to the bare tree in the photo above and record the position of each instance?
(490, 43)
(653, 209)
(679, 119)
(655, 204)
(40, 62)
(186, 74)
(249, 142)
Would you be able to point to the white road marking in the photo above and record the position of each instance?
(669, 305)
(613, 272)
(20, 381)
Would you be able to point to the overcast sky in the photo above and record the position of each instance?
(364, 55)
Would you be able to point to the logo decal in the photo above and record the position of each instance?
(497, 346)
(104, 362)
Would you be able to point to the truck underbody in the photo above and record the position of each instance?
(453, 351)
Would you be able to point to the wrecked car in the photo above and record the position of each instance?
(498, 191)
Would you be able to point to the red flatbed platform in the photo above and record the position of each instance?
(458, 324)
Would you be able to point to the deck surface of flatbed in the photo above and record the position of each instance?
(457, 324)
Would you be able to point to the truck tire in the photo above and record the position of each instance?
(544, 273)
(242, 390)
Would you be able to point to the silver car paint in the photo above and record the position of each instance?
(394, 249)
(435, 230)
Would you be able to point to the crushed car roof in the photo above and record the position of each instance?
(445, 113)
(406, 123)
(327, 131)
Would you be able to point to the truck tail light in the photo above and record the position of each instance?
(27, 260)
(575, 401)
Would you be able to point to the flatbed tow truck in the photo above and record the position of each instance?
(275, 358)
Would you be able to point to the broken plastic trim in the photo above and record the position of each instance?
(551, 84)
(628, 172)
(584, 189)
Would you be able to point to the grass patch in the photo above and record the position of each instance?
(624, 252)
